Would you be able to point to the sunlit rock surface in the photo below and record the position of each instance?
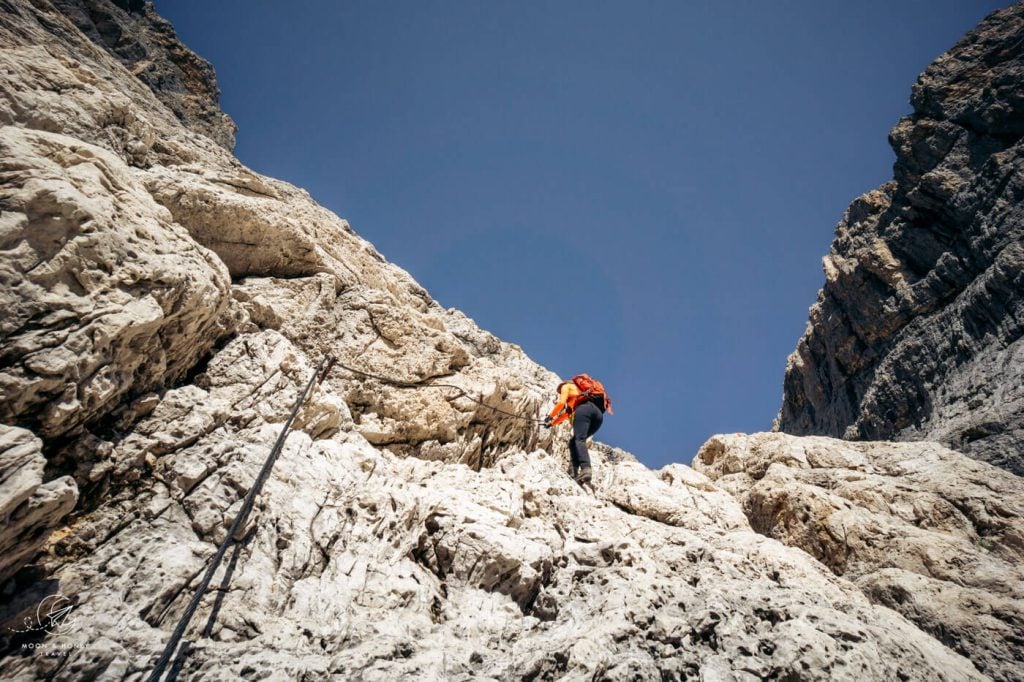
(166, 306)
(923, 530)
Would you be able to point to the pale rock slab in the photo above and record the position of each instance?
(921, 529)
(104, 296)
(365, 565)
(419, 382)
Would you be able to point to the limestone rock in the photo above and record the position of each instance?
(921, 529)
(103, 295)
(55, 80)
(363, 564)
(30, 508)
(169, 305)
(917, 332)
(147, 45)
(413, 385)
(679, 497)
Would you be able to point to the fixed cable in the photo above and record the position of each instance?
(323, 369)
(319, 375)
(462, 392)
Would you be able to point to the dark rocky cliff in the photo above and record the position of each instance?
(146, 44)
(916, 334)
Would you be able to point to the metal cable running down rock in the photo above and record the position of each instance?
(462, 391)
(158, 670)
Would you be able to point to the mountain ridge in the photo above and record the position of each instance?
(916, 333)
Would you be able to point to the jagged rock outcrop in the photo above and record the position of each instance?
(916, 334)
(104, 295)
(146, 44)
(115, 295)
(419, 523)
(30, 509)
(921, 529)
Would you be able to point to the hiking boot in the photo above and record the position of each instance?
(584, 475)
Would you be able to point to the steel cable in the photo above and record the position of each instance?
(321, 372)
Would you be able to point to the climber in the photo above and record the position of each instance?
(583, 401)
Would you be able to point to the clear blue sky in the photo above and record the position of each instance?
(638, 190)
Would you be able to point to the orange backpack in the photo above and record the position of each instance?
(590, 387)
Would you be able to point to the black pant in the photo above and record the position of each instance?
(587, 419)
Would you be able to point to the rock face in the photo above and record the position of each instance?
(365, 565)
(146, 44)
(30, 508)
(166, 306)
(104, 295)
(919, 528)
(916, 334)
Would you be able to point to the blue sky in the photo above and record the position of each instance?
(638, 190)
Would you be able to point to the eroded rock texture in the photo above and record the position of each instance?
(916, 334)
(103, 294)
(165, 305)
(30, 509)
(361, 564)
(148, 47)
(921, 529)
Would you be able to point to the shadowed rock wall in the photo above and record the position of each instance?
(916, 334)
